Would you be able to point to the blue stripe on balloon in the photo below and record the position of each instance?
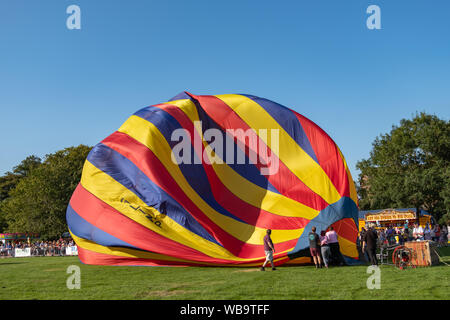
(180, 96)
(195, 173)
(131, 177)
(83, 229)
(344, 208)
(247, 170)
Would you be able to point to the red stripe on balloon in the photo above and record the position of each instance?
(346, 228)
(229, 201)
(284, 180)
(327, 154)
(91, 257)
(111, 221)
(152, 167)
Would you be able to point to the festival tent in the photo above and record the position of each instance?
(199, 179)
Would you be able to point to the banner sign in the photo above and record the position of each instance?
(390, 215)
(72, 251)
(22, 252)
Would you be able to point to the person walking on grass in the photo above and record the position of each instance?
(269, 249)
(314, 247)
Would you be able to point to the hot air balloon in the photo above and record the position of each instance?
(197, 181)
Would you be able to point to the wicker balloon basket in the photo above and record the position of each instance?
(424, 253)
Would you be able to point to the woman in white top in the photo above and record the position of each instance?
(418, 232)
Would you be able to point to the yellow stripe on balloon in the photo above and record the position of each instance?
(351, 183)
(253, 194)
(246, 190)
(123, 252)
(348, 248)
(110, 191)
(289, 152)
(149, 135)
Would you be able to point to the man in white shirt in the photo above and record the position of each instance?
(417, 232)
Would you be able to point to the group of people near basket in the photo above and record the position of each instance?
(324, 249)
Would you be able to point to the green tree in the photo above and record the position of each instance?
(39, 201)
(409, 167)
(445, 194)
(10, 179)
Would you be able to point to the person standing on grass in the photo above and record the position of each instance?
(314, 247)
(324, 249)
(361, 239)
(370, 244)
(427, 232)
(437, 232)
(332, 239)
(269, 249)
(410, 234)
(361, 235)
(443, 239)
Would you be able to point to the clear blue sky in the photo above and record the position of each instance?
(60, 87)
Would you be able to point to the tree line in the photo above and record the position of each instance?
(407, 167)
(35, 195)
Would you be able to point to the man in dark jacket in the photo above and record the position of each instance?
(370, 244)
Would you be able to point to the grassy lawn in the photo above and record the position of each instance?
(45, 278)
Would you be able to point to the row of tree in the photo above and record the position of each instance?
(34, 196)
(408, 167)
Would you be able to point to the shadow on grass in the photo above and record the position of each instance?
(6, 263)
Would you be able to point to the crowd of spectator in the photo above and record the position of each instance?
(392, 236)
(399, 235)
(37, 248)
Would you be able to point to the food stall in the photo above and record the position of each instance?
(384, 218)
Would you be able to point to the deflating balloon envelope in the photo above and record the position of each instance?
(199, 179)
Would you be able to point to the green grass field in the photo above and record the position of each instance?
(45, 278)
